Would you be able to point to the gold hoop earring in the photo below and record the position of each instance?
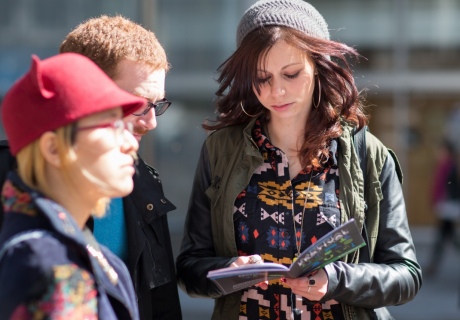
(249, 115)
(319, 95)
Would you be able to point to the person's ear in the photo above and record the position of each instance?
(49, 148)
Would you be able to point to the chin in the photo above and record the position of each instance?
(123, 189)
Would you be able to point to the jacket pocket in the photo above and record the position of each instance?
(374, 194)
(213, 192)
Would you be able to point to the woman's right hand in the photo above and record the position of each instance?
(252, 259)
(242, 260)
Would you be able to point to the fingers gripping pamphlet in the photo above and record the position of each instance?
(329, 248)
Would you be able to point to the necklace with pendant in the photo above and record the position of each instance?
(298, 238)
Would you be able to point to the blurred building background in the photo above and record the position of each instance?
(410, 71)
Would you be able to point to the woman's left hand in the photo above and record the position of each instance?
(312, 287)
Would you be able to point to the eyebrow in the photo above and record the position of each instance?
(286, 66)
(150, 100)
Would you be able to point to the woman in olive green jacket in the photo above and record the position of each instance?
(280, 170)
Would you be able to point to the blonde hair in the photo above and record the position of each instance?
(32, 166)
(108, 40)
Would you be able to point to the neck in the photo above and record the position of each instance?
(79, 211)
(286, 135)
(78, 202)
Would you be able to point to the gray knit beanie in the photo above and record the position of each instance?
(296, 14)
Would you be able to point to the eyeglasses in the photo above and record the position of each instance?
(159, 106)
(119, 127)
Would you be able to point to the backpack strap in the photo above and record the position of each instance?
(359, 142)
(21, 237)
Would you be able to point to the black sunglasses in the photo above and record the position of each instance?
(159, 106)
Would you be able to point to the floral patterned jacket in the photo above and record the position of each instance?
(51, 269)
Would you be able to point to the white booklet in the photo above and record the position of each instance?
(329, 248)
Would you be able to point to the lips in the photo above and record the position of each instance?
(282, 106)
(137, 137)
(129, 164)
(129, 168)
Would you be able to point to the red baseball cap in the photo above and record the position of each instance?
(56, 92)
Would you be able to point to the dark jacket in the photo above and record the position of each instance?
(56, 266)
(228, 159)
(7, 162)
(151, 261)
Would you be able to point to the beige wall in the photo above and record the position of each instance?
(428, 116)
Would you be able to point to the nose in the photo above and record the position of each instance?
(148, 120)
(277, 88)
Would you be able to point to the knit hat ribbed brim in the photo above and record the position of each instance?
(296, 14)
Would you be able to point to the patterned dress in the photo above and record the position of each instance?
(266, 224)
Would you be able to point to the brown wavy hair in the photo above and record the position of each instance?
(340, 99)
(107, 40)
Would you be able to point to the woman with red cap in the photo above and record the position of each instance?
(63, 119)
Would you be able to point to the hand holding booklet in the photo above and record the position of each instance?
(329, 248)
